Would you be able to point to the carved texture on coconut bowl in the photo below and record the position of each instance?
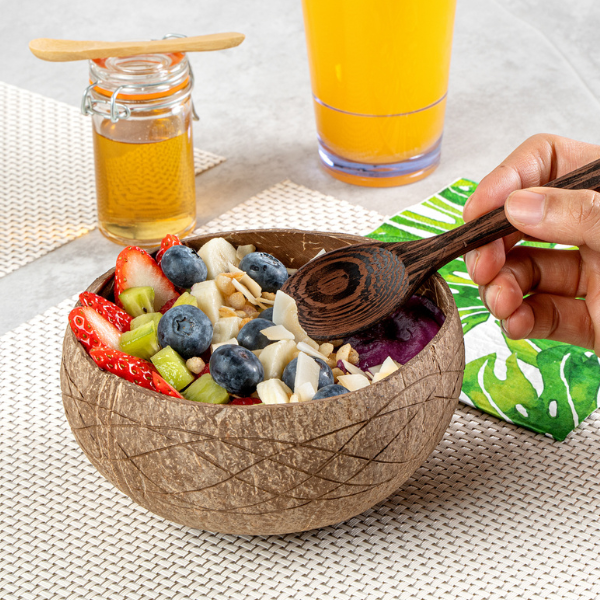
(266, 469)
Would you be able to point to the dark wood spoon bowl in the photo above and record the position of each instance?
(351, 289)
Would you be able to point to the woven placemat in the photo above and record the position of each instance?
(294, 206)
(47, 183)
(497, 512)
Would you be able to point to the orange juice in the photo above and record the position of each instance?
(379, 71)
(145, 190)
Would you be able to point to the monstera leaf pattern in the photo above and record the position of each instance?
(546, 386)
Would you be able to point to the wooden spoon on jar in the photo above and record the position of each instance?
(350, 289)
(68, 50)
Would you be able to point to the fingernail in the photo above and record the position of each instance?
(503, 326)
(491, 297)
(471, 259)
(525, 207)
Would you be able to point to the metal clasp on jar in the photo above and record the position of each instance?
(119, 111)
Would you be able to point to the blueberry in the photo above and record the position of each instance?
(186, 329)
(265, 269)
(325, 374)
(183, 267)
(236, 369)
(267, 314)
(250, 335)
(328, 391)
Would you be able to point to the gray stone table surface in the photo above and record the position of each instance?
(519, 67)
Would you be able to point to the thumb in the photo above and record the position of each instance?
(570, 217)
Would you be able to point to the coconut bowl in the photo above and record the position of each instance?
(266, 469)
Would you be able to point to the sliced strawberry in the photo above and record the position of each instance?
(245, 401)
(125, 366)
(168, 241)
(105, 308)
(136, 268)
(163, 387)
(92, 329)
(168, 305)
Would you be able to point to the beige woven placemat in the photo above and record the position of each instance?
(288, 204)
(496, 513)
(47, 184)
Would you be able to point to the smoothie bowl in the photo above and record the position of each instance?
(267, 468)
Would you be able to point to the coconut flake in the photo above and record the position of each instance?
(277, 332)
(353, 382)
(244, 291)
(307, 371)
(304, 347)
(306, 391)
(252, 286)
(231, 342)
(241, 251)
(354, 370)
(273, 391)
(319, 253)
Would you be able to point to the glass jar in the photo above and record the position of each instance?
(142, 112)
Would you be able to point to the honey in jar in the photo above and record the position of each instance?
(142, 113)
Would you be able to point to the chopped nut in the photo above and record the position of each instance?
(336, 343)
(295, 354)
(224, 284)
(336, 373)
(244, 321)
(326, 348)
(344, 352)
(240, 313)
(195, 365)
(294, 398)
(236, 300)
(268, 295)
(353, 358)
(331, 360)
(225, 312)
(250, 310)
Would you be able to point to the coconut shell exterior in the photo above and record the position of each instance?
(266, 469)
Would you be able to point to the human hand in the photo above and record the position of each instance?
(539, 292)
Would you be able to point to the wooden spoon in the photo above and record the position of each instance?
(350, 289)
(67, 50)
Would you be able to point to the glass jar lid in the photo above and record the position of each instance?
(120, 86)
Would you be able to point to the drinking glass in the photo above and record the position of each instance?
(379, 72)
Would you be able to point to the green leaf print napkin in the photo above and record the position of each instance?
(546, 386)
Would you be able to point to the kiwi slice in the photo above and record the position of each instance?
(186, 298)
(141, 341)
(172, 368)
(146, 318)
(138, 300)
(205, 389)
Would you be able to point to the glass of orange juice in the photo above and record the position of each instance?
(379, 72)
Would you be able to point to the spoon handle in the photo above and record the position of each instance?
(68, 50)
(430, 254)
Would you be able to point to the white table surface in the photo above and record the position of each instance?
(519, 67)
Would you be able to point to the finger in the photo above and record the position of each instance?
(545, 316)
(533, 270)
(484, 263)
(537, 161)
(570, 217)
